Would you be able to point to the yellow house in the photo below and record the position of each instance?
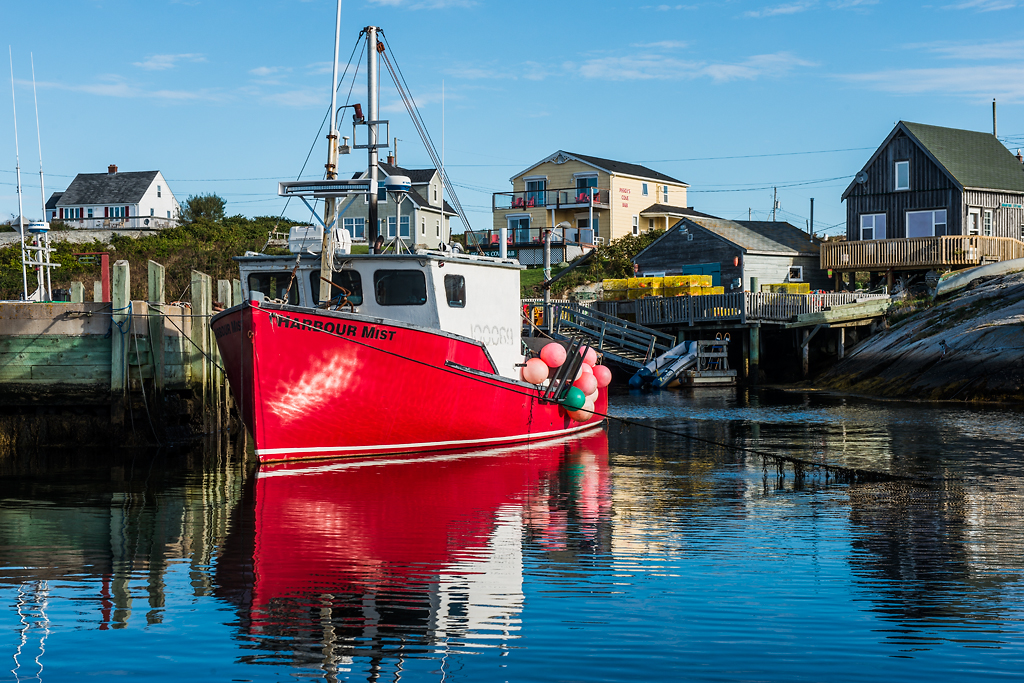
(620, 198)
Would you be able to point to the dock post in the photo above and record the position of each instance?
(224, 293)
(755, 354)
(841, 344)
(199, 350)
(77, 293)
(805, 353)
(156, 327)
(97, 291)
(746, 356)
(119, 337)
(236, 292)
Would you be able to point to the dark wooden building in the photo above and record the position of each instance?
(930, 181)
(733, 252)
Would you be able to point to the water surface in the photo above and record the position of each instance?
(623, 554)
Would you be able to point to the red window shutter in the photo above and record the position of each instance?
(61, 213)
(106, 212)
(126, 212)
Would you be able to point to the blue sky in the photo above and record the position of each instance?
(732, 97)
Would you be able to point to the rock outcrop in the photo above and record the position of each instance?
(969, 347)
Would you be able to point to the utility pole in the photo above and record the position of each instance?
(748, 213)
(994, 117)
(331, 203)
(812, 216)
(775, 201)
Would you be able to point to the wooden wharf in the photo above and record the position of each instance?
(631, 333)
(148, 368)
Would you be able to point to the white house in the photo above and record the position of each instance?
(423, 208)
(138, 200)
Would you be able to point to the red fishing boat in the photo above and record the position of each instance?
(336, 354)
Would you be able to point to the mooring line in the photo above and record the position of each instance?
(840, 473)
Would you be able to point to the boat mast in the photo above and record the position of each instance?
(371, 98)
(17, 166)
(331, 203)
(42, 191)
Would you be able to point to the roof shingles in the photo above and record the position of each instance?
(107, 188)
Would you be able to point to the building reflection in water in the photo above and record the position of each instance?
(392, 558)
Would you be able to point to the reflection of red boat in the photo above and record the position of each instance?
(400, 538)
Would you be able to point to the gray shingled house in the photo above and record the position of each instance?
(733, 252)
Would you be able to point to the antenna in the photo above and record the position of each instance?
(17, 166)
(42, 191)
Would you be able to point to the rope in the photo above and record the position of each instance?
(846, 474)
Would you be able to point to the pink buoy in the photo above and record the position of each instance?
(586, 369)
(590, 358)
(553, 355)
(592, 397)
(535, 371)
(584, 413)
(603, 375)
(587, 384)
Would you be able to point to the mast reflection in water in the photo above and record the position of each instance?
(397, 558)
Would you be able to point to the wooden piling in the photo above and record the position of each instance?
(755, 354)
(236, 292)
(805, 353)
(119, 338)
(200, 340)
(156, 327)
(97, 291)
(841, 343)
(77, 293)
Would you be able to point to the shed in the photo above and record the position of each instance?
(735, 251)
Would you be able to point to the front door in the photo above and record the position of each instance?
(973, 222)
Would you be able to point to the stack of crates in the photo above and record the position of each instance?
(639, 287)
(615, 290)
(693, 285)
(788, 288)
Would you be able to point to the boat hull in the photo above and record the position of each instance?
(325, 384)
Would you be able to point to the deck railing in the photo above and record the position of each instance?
(549, 199)
(740, 306)
(919, 252)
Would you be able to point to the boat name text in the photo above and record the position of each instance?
(341, 328)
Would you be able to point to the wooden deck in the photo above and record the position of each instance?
(740, 307)
(919, 253)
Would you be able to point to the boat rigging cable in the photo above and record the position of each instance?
(839, 473)
(414, 113)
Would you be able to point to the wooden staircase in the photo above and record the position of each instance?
(619, 340)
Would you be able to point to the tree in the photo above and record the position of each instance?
(203, 206)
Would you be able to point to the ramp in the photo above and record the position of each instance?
(621, 341)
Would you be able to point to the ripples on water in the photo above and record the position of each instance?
(621, 555)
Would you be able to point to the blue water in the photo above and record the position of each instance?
(636, 555)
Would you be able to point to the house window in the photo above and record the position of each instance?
(455, 290)
(519, 228)
(423, 226)
(535, 190)
(796, 273)
(583, 185)
(435, 194)
(664, 191)
(872, 226)
(355, 226)
(158, 191)
(437, 226)
(986, 223)
(89, 213)
(644, 189)
(404, 227)
(168, 214)
(902, 175)
(636, 225)
(926, 223)
(152, 212)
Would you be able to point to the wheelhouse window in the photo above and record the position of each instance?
(902, 175)
(400, 287)
(455, 290)
(926, 223)
(274, 285)
(872, 226)
(349, 279)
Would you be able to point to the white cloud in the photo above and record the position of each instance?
(1012, 49)
(663, 45)
(530, 71)
(164, 62)
(847, 4)
(425, 4)
(1005, 82)
(300, 97)
(657, 67)
(116, 86)
(264, 71)
(984, 5)
(788, 8)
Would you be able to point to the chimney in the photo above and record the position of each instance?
(391, 160)
(112, 169)
(1020, 157)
